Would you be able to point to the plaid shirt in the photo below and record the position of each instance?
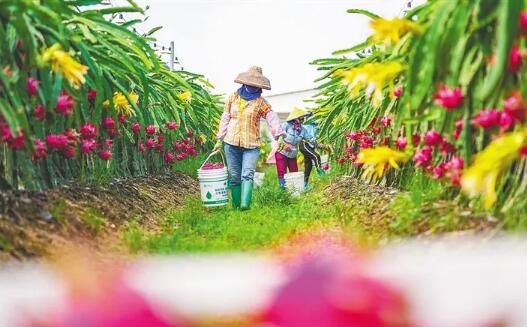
(240, 122)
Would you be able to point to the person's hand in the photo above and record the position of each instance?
(288, 147)
(218, 146)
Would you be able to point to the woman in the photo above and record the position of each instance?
(240, 132)
(287, 153)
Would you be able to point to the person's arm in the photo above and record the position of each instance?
(224, 121)
(274, 123)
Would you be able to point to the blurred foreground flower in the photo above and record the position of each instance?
(372, 77)
(324, 293)
(481, 177)
(62, 62)
(377, 160)
(185, 96)
(390, 31)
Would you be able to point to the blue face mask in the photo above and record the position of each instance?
(249, 93)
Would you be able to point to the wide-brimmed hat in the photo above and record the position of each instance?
(297, 113)
(254, 77)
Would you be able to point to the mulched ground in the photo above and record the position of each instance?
(36, 224)
(376, 215)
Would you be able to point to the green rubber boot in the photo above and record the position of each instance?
(236, 194)
(247, 193)
(321, 172)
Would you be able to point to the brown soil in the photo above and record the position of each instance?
(36, 224)
(377, 215)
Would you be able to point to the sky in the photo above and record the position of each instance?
(221, 38)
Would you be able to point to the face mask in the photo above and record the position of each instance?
(251, 89)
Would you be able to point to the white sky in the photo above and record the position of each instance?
(220, 38)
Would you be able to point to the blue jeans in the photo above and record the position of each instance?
(241, 163)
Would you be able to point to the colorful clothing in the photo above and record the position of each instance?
(293, 136)
(284, 163)
(311, 157)
(240, 122)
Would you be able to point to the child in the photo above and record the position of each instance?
(308, 148)
(287, 152)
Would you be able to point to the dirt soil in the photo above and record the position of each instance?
(376, 214)
(37, 224)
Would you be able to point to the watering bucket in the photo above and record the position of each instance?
(294, 182)
(258, 179)
(213, 184)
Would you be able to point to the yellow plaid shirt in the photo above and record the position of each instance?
(240, 122)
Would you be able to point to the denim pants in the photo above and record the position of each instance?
(241, 163)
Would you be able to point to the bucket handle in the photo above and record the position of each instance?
(213, 153)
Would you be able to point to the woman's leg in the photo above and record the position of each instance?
(292, 165)
(308, 161)
(249, 161)
(281, 168)
(234, 156)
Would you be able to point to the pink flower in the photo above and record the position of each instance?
(487, 118)
(523, 22)
(447, 147)
(32, 85)
(105, 155)
(515, 106)
(423, 158)
(449, 98)
(141, 148)
(150, 143)
(88, 131)
(401, 143)
(168, 157)
(92, 96)
(439, 171)
(136, 128)
(416, 139)
(39, 113)
(385, 121)
(515, 59)
(398, 91)
(18, 142)
(171, 125)
(88, 146)
(433, 138)
(190, 133)
(122, 118)
(56, 141)
(506, 122)
(150, 129)
(108, 123)
(181, 156)
(65, 103)
(456, 163)
(69, 152)
(40, 149)
(366, 142)
(354, 136)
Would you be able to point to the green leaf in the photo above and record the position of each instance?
(364, 12)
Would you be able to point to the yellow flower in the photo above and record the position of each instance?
(372, 77)
(121, 103)
(185, 96)
(481, 177)
(62, 62)
(377, 160)
(391, 31)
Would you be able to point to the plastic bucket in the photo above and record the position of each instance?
(324, 162)
(213, 185)
(258, 179)
(294, 182)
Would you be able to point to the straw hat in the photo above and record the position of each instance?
(254, 77)
(297, 113)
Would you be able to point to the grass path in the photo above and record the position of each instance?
(274, 217)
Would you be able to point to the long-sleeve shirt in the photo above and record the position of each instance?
(293, 137)
(240, 121)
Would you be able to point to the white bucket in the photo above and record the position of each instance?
(324, 162)
(258, 179)
(294, 182)
(213, 185)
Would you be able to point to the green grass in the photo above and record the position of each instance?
(273, 217)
